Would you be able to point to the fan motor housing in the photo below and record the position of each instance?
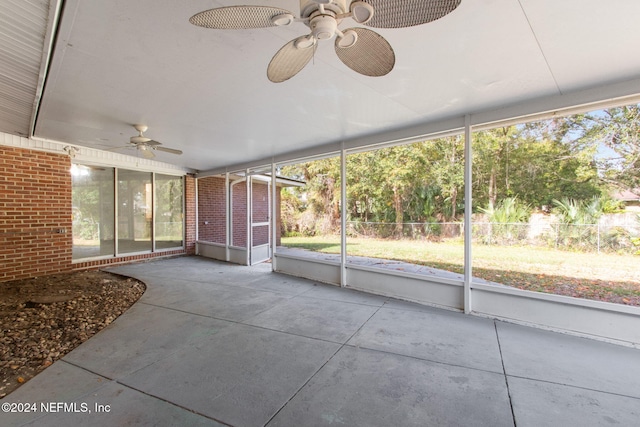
(139, 139)
(308, 7)
(323, 27)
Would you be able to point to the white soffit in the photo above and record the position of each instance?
(206, 91)
(24, 34)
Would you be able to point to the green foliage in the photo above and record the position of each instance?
(617, 239)
(509, 210)
(636, 240)
(318, 206)
(506, 219)
(579, 220)
(535, 162)
(578, 212)
(556, 163)
(618, 129)
(419, 182)
(290, 210)
(610, 205)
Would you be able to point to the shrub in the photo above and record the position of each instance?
(506, 219)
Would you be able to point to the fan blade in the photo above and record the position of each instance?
(371, 55)
(407, 13)
(152, 143)
(289, 61)
(169, 150)
(238, 17)
(119, 148)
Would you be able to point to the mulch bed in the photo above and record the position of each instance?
(44, 318)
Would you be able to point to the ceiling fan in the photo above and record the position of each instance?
(363, 50)
(147, 146)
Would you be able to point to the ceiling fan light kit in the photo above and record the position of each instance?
(323, 27)
(364, 51)
(361, 12)
(347, 39)
(304, 42)
(282, 20)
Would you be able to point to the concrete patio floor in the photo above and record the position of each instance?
(211, 343)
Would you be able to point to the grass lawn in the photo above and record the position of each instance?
(604, 277)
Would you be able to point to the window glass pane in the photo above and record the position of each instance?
(169, 211)
(93, 213)
(135, 210)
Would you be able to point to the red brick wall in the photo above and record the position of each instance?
(260, 193)
(212, 213)
(212, 225)
(239, 219)
(35, 213)
(260, 199)
(35, 203)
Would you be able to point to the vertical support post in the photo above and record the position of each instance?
(184, 213)
(249, 206)
(227, 214)
(468, 260)
(274, 216)
(116, 208)
(343, 217)
(153, 211)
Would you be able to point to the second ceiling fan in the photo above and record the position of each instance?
(363, 50)
(147, 146)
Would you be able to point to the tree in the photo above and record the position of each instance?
(617, 130)
(448, 172)
(491, 161)
(322, 192)
(536, 162)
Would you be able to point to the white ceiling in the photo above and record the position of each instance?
(206, 92)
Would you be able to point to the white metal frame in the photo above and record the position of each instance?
(116, 249)
(595, 319)
(343, 217)
(274, 216)
(229, 251)
(260, 253)
(468, 259)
